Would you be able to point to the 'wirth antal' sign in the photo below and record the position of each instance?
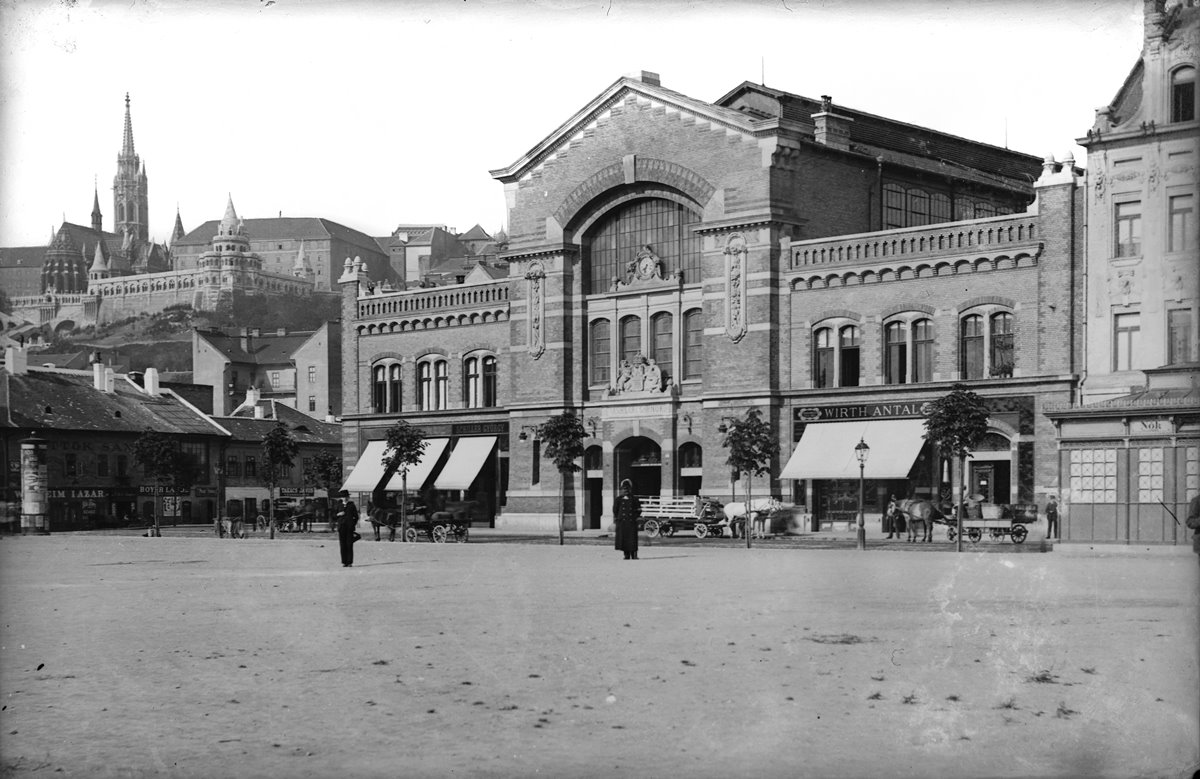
(867, 411)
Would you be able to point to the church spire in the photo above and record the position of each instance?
(127, 146)
(97, 217)
(177, 232)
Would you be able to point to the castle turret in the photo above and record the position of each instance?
(300, 268)
(177, 232)
(99, 269)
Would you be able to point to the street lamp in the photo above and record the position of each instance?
(526, 430)
(861, 451)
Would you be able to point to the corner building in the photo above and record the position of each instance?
(673, 262)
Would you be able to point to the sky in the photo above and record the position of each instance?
(374, 113)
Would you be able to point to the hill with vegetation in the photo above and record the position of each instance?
(164, 340)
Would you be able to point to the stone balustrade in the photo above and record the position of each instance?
(416, 302)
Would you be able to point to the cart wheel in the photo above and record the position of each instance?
(439, 534)
(997, 534)
(951, 533)
(701, 530)
(410, 534)
(974, 534)
(465, 535)
(1018, 534)
(653, 529)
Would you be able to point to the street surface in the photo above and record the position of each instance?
(196, 657)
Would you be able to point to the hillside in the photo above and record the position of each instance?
(164, 340)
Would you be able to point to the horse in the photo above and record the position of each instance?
(760, 507)
(919, 510)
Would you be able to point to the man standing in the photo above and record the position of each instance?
(347, 516)
(1193, 521)
(1052, 517)
(627, 510)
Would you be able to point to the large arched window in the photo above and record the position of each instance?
(432, 384)
(661, 338)
(386, 387)
(836, 356)
(908, 350)
(823, 358)
(599, 351)
(1183, 94)
(693, 345)
(479, 381)
(615, 240)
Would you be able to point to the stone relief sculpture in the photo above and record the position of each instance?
(735, 287)
(640, 376)
(536, 276)
(645, 269)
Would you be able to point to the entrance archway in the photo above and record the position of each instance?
(639, 459)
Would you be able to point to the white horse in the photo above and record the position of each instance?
(761, 508)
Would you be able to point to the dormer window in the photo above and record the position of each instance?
(1183, 94)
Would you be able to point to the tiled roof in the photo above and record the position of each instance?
(68, 401)
(265, 349)
(23, 257)
(283, 228)
(305, 429)
(476, 233)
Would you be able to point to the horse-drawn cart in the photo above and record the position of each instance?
(974, 529)
(453, 523)
(667, 516)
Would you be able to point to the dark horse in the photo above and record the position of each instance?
(923, 511)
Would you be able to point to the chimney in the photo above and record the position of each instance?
(646, 77)
(329, 417)
(16, 361)
(244, 335)
(252, 396)
(833, 130)
(255, 332)
(110, 380)
(260, 412)
(151, 382)
(98, 376)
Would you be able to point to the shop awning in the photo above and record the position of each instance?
(418, 474)
(369, 470)
(465, 461)
(826, 450)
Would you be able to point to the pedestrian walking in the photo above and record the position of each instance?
(1052, 517)
(260, 523)
(626, 512)
(889, 517)
(376, 515)
(1193, 521)
(347, 515)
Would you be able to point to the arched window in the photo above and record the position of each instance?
(1183, 94)
(691, 456)
(661, 338)
(693, 345)
(848, 348)
(663, 225)
(1001, 352)
(431, 385)
(896, 353)
(385, 388)
(922, 367)
(441, 384)
(599, 351)
(970, 349)
(472, 382)
(823, 358)
(631, 338)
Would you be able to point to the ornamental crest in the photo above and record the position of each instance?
(640, 376)
(735, 287)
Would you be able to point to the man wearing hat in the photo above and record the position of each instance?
(347, 517)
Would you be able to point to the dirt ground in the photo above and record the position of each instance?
(194, 657)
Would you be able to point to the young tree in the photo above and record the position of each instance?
(324, 471)
(562, 438)
(955, 424)
(752, 446)
(159, 459)
(405, 445)
(279, 449)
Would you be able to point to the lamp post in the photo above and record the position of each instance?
(861, 451)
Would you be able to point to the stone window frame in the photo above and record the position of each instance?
(387, 386)
(478, 390)
(908, 321)
(991, 342)
(1183, 100)
(836, 326)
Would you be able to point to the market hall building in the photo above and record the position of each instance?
(674, 262)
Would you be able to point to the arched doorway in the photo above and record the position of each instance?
(640, 460)
(990, 469)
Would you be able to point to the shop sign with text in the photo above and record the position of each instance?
(865, 411)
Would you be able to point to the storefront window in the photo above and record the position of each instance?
(1150, 475)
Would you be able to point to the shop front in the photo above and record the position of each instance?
(89, 508)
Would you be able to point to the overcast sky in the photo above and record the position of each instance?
(375, 113)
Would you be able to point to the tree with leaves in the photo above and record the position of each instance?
(956, 423)
(562, 441)
(164, 464)
(752, 445)
(324, 471)
(405, 446)
(279, 449)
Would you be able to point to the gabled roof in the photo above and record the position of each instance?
(304, 428)
(266, 348)
(282, 228)
(476, 233)
(67, 400)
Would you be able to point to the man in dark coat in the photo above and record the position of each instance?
(626, 512)
(1193, 521)
(347, 517)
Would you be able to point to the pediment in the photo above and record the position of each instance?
(621, 92)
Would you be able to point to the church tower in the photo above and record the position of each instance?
(97, 217)
(131, 199)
